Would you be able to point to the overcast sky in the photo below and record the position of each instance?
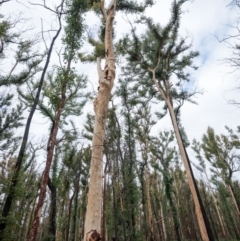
(203, 20)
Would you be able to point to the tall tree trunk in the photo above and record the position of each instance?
(10, 196)
(75, 208)
(69, 215)
(174, 212)
(235, 201)
(106, 81)
(53, 210)
(104, 201)
(216, 205)
(163, 223)
(203, 223)
(145, 226)
(44, 181)
(149, 206)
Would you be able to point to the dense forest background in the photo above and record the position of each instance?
(171, 147)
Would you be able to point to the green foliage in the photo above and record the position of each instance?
(25, 56)
(121, 5)
(99, 50)
(128, 6)
(10, 120)
(25, 190)
(57, 85)
(222, 152)
(160, 48)
(73, 37)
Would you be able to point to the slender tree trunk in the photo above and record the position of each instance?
(163, 223)
(75, 208)
(216, 206)
(114, 200)
(53, 210)
(235, 201)
(174, 215)
(69, 215)
(61, 228)
(149, 206)
(106, 81)
(145, 225)
(104, 201)
(156, 217)
(10, 196)
(204, 227)
(44, 181)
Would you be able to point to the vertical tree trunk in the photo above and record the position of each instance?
(235, 201)
(75, 208)
(216, 205)
(174, 215)
(106, 81)
(163, 223)
(149, 206)
(114, 200)
(104, 201)
(69, 215)
(53, 210)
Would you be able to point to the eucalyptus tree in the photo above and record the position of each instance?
(143, 125)
(222, 152)
(201, 166)
(231, 220)
(62, 94)
(64, 151)
(106, 82)
(160, 60)
(113, 217)
(128, 167)
(16, 52)
(11, 77)
(25, 193)
(164, 155)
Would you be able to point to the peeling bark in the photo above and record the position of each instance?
(45, 177)
(106, 81)
(198, 208)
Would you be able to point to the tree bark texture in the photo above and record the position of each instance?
(53, 210)
(216, 205)
(165, 92)
(149, 206)
(75, 208)
(235, 201)
(204, 230)
(106, 81)
(45, 177)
